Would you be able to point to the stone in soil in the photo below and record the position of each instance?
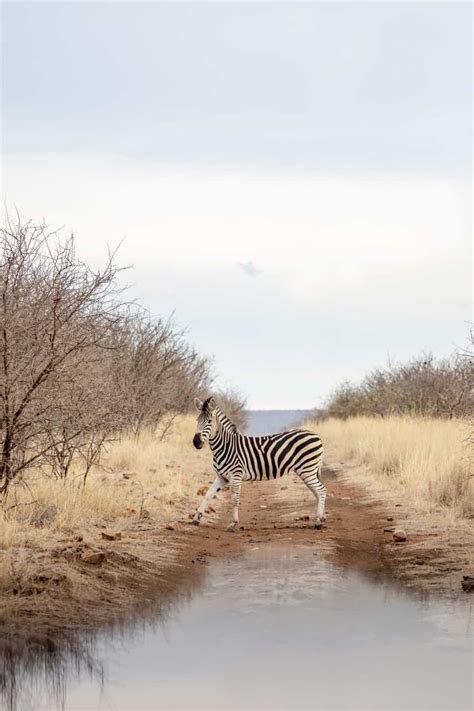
(399, 536)
(174, 525)
(111, 535)
(93, 557)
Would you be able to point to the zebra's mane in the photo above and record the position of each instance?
(230, 426)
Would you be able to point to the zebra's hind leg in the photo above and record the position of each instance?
(316, 486)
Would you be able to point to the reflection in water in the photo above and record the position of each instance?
(274, 629)
(36, 670)
(42, 666)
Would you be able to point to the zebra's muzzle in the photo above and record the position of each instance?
(197, 441)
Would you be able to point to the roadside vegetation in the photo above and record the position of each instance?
(80, 364)
(424, 386)
(425, 461)
(137, 479)
(408, 428)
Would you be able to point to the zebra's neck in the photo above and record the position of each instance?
(225, 429)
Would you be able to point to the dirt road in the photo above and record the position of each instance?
(358, 534)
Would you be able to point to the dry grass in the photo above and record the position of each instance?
(426, 460)
(137, 478)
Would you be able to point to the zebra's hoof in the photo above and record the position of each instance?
(195, 522)
(231, 527)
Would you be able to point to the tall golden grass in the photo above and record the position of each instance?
(144, 476)
(426, 460)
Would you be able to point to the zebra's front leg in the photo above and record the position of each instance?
(216, 486)
(235, 496)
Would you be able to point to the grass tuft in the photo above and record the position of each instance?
(426, 459)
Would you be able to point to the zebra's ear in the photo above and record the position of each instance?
(212, 404)
(198, 403)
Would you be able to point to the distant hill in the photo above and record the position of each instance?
(260, 422)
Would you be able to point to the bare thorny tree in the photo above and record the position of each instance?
(57, 317)
(78, 364)
(159, 371)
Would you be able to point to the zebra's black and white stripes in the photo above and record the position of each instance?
(238, 458)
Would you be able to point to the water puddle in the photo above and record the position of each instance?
(273, 629)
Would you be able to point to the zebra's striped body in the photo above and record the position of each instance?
(238, 458)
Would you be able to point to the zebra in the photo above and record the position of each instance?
(237, 457)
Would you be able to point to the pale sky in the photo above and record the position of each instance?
(292, 180)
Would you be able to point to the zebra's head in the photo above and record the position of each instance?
(207, 410)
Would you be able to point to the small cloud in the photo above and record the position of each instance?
(249, 268)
